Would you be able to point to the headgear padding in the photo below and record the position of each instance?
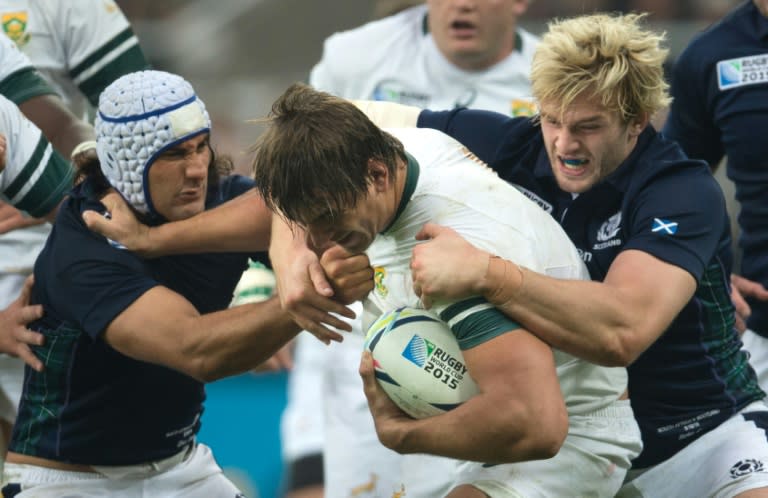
(140, 115)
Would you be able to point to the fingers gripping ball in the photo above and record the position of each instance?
(418, 362)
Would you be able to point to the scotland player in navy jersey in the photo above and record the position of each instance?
(720, 107)
(129, 343)
(652, 228)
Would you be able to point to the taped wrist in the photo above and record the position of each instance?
(82, 147)
(505, 280)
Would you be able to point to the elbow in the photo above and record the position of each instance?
(197, 364)
(546, 442)
(534, 435)
(198, 369)
(549, 444)
(205, 369)
(206, 375)
(619, 350)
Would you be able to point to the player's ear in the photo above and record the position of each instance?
(379, 173)
(638, 124)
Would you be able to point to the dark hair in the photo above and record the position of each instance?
(313, 157)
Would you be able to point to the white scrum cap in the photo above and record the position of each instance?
(139, 116)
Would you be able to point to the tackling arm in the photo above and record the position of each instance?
(239, 225)
(162, 327)
(604, 322)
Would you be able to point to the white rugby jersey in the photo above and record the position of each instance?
(80, 46)
(446, 184)
(395, 59)
(34, 178)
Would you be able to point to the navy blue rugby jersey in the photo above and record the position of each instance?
(660, 202)
(720, 107)
(92, 404)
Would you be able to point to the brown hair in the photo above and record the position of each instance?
(313, 157)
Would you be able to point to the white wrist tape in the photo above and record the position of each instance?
(82, 147)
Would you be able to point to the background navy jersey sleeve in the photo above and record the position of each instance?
(485, 133)
(682, 229)
(235, 185)
(689, 121)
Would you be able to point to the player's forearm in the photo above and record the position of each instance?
(63, 129)
(487, 429)
(584, 318)
(240, 225)
(237, 340)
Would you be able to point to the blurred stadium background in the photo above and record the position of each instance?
(240, 55)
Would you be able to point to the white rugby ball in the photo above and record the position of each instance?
(418, 362)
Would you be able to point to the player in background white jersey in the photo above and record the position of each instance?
(440, 55)
(373, 191)
(34, 179)
(79, 47)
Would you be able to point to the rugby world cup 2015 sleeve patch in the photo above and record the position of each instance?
(743, 71)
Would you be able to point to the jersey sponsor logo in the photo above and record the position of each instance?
(664, 227)
(606, 234)
(379, 273)
(734, 73)
(397, 91)
(535, 198)
(746, 466)
(585, 256)
(15, 26)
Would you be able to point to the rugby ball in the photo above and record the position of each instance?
(418, 362)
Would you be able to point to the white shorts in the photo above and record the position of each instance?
(11, 369)
(356, 464)
(193, 474)
(724, 462)
(757, 347)
(592, 462)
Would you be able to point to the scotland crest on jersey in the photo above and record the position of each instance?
(608, 231)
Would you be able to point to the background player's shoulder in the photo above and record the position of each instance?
(381, 41)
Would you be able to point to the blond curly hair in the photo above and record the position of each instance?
(609, 56)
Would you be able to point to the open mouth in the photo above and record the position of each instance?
(463, 28)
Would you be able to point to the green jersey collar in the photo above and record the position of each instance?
(411, 179)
